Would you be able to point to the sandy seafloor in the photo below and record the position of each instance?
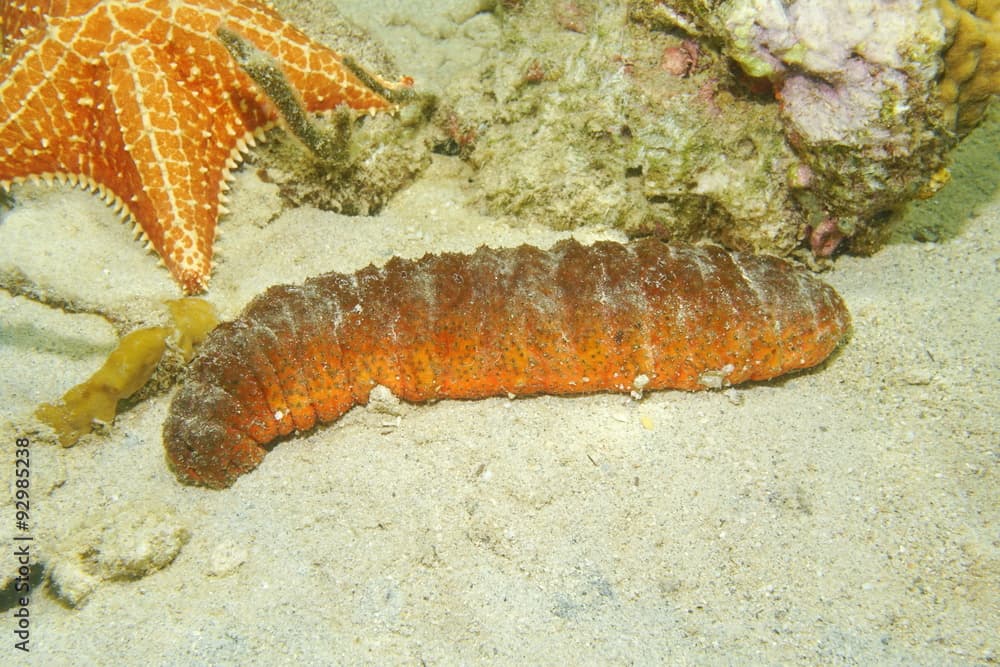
(849, 515)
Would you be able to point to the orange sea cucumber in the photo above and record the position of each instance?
(572, 319)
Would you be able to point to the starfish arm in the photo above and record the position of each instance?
(18, 20)
(29, 98)
(317, 71)
(65, 126)
(182, 145)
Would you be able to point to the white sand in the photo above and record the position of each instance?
(846, 515)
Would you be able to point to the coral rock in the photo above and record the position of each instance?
(131, 544)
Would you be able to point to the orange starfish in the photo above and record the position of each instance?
(142, 102)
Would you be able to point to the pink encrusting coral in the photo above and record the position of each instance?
(855, 83)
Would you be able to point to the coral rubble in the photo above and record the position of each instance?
(748, 121)
(132, 543)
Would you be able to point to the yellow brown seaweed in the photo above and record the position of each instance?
(194, 319)
(126, 370)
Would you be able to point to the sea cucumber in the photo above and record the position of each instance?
(518, 321)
